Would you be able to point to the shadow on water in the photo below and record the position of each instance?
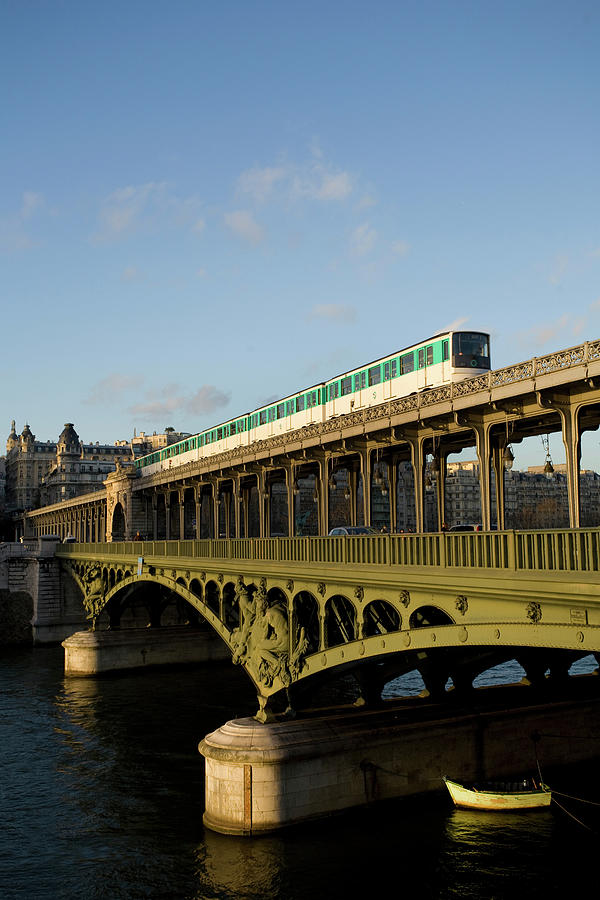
(102, 792)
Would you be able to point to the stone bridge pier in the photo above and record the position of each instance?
(35, 594)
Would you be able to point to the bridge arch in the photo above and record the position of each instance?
(118, 528)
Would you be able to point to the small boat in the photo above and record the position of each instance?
(523, 794)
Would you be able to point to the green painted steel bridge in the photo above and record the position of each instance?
(297, 611)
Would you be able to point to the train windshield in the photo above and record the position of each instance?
(470, 350)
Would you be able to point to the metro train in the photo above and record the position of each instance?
(446, 357)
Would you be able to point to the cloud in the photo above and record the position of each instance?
(455, 325)
(123, 209)
(314, 179)
(207, 399)
(13, 233)
(31, 203)
(168, 400)
(539, 335)
(145, 206)
(130, 273)
(559, 267)
(334, 312)
(259, 183)
(112, 387)
(319, 183)
(171, 399)
(366, 201)
(242, 224)
(363, 239)
(400, 248)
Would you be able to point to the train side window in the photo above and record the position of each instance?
(407, 364)
(346, 385)
(300, 403)
(360, 380)
(280, 410)
(271, 414)
(429, 355)
(422, 358)
(289, 407)
(445, 351)
(389, 369)
(374, 375)
(262, 417)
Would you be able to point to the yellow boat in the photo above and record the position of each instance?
(524, 794)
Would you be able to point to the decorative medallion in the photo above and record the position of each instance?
(461, 604)
(359, 593)
(202, 576)
(187, 574)
(404, 598)
(321, 588)
(534, 612)
(290, 585)
(220, 578)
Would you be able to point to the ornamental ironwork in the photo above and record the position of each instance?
(534, 612)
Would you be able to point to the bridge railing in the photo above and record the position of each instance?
(558, 550)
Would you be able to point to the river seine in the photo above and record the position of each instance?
(101, 796)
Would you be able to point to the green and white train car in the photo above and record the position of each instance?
(447, 357)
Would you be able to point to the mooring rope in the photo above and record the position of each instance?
(553, 799)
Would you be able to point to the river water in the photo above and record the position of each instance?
(101, 796)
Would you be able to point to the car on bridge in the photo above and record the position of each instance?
(352, 530)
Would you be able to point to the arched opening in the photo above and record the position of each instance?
(380, 618)
(428, 616)
(118, 523)
(212, 597)
(231, 613)
(306, 618)
(340, 621)
(196, 588)
(276, 596)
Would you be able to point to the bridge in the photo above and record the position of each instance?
(343, 464)
(295, 611)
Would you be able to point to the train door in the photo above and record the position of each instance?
(424, 362)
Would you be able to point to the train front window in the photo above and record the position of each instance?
(470, 350)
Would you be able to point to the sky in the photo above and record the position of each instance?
(207, 206)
